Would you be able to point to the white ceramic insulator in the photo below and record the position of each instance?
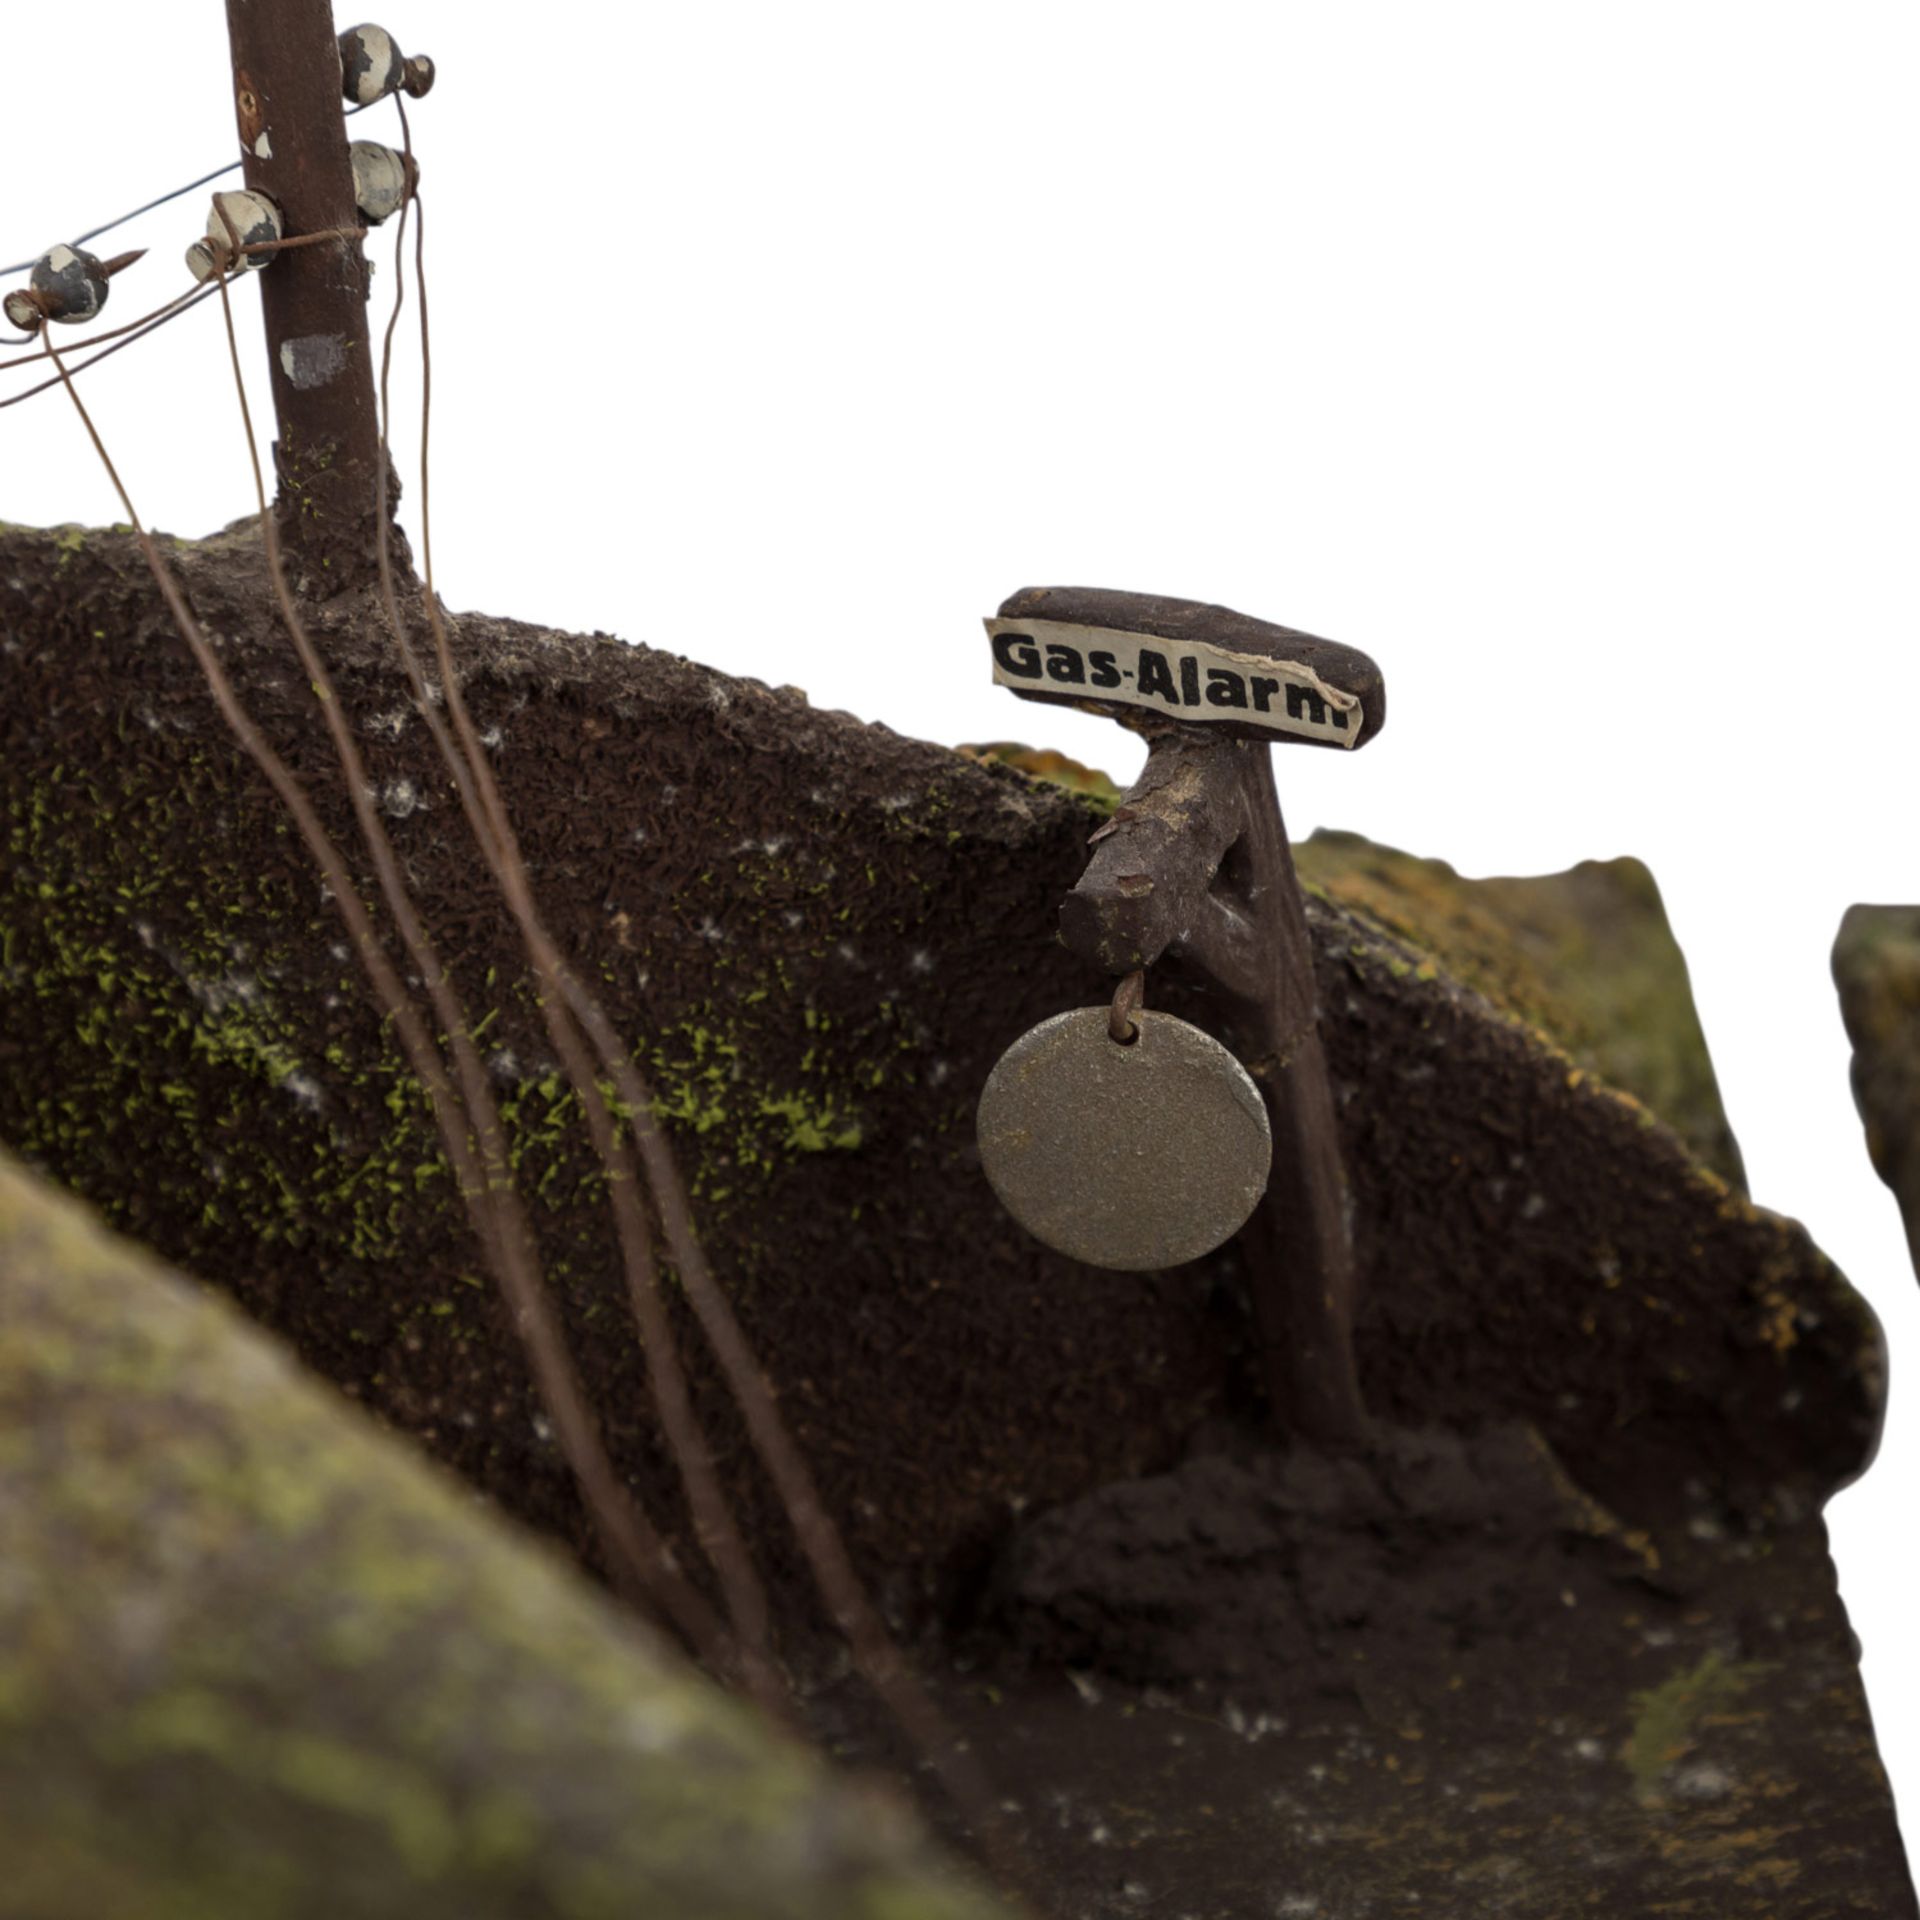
(383, 71)
(255, 218)
(379, 179)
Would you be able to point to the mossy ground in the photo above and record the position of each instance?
(1586, 957)
(257, 1663)
(1876, 965)
(819, 937)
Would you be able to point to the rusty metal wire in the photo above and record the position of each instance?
(501, 1229)
(139, 329)
(876, 1657)
(470, 1132)
(38, 356)
(135, 330)
(93, 233)
(715, 1527)
(120, 220)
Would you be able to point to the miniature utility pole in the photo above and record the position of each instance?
(1194, 867)
(293, 139)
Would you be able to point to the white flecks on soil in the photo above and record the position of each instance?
(401, 799)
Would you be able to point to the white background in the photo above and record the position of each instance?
(1562, 357)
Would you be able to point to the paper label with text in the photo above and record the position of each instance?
(1187, 680)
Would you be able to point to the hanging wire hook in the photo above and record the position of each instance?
(1129, 997)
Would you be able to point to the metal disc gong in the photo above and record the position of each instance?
(1127, 1156)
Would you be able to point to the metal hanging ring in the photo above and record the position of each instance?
(1128, 998)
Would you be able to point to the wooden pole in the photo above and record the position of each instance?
(293, 138)
(1300, 1240)
(1195, 867)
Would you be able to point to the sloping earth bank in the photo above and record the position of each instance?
(820, 936)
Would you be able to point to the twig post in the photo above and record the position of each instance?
(1195, 866)
(293, 139)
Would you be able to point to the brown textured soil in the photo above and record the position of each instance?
(1289, 1576)
(1616, 1750)
(821, 936)
(1435, 1680)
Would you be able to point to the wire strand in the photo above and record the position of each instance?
(93, 233)
(38, 356)
(876, 1656)
(715, 1527)
(472, 1132)
(469, 1123)
(499, 1224)
(139, 331)
(713, 1521)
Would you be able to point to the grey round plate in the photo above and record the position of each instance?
(1124, 1156)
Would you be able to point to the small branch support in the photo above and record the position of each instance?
(1195, 866)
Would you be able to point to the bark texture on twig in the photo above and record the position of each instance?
(1195, 866)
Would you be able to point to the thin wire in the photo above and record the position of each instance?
(873, 1649)
(469, 1122)
(172, 311)
(38, 356)
(876, 1656)
(498, 1221)
(139, 329)
(93, 233)
(715, 1527)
